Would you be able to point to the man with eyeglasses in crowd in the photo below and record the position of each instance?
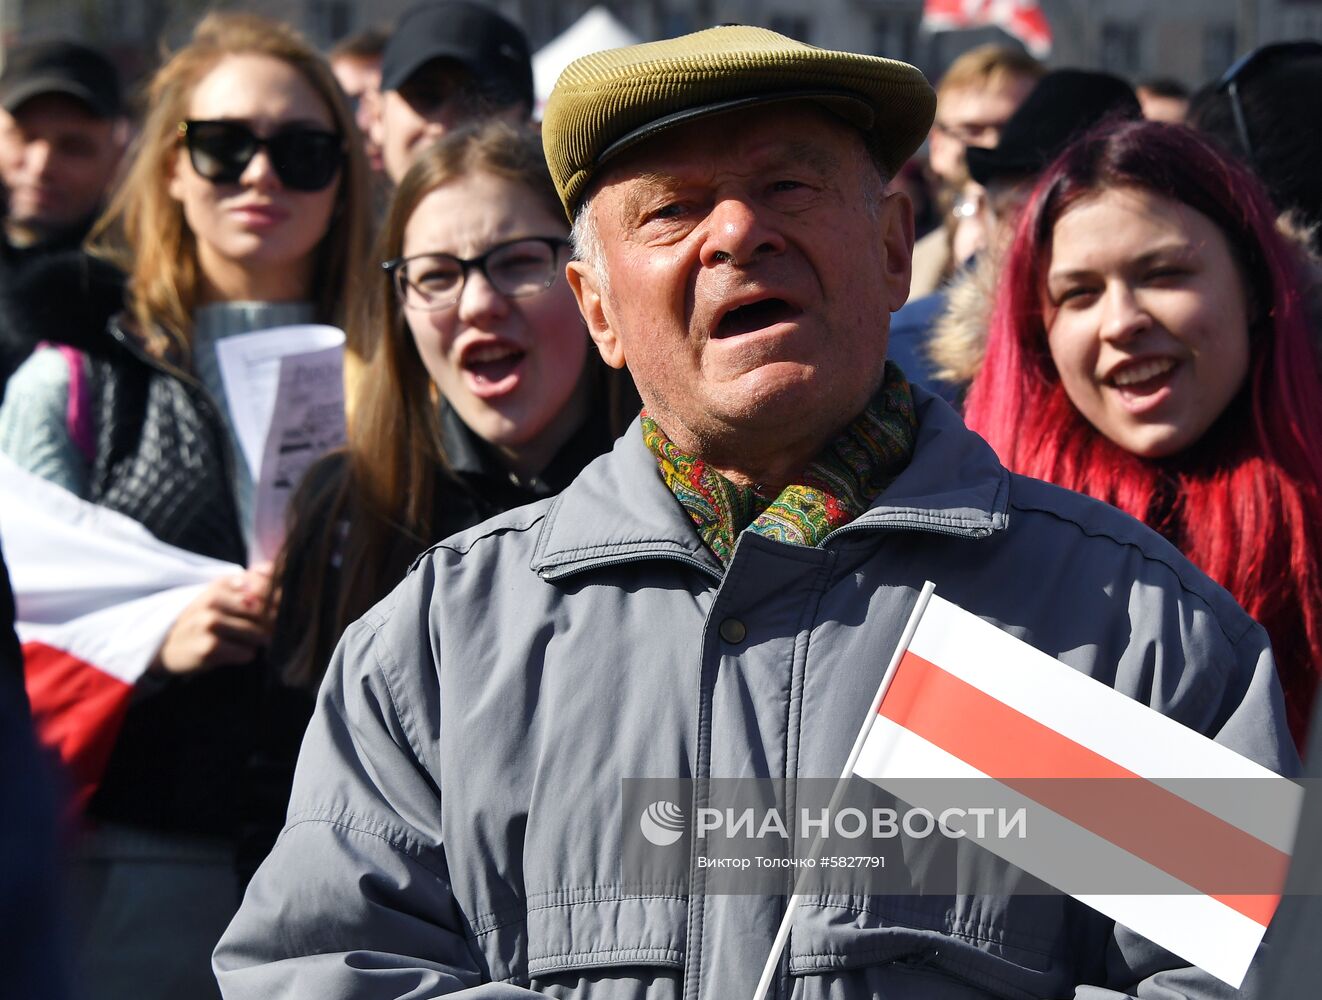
(975, 97)
(448, 62)
(62, 132)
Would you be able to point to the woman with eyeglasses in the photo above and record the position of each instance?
(483, 394)
(1149, 347)
(244, 208)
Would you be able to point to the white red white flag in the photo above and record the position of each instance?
(1112, 786)
(95, 593)
(1023, 19)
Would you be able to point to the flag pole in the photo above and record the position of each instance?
(782, 935)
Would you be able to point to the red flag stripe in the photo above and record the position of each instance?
(1148, 821)
(77, 710)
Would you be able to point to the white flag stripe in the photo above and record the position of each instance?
(121, 640)
(1114, 726)
(896, 758)
(90, 581)
(1224, 947)
(64, 553)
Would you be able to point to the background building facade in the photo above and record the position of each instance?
(1191, 40)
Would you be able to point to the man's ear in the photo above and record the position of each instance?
(596, 311)
(897, 240)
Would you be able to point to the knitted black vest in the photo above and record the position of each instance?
(161, 455)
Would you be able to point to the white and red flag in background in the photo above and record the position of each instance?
(1023, 19)
(94, 594)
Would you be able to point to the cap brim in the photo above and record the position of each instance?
(21, 93)
(401, 74)
(852, 109)
(988, 165)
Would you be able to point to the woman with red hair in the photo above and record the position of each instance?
(1149, 346)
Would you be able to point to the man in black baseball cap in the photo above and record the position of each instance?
(62, 131)
(448, 61)
(61, 135)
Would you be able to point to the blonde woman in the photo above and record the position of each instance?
(244, 207)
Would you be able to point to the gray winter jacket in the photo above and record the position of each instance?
(455, 821)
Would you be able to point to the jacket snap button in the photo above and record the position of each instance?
(733, 630)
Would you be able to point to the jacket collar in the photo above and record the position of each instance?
(475, 460)
(619, 509)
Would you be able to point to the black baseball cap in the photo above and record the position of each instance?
(493, 49)
(61, 67)
(1063, 104)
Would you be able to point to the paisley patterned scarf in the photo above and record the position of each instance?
(836, 487)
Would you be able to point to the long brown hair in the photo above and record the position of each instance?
(144, 230)
(383, 486)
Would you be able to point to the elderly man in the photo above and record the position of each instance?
(717, 597)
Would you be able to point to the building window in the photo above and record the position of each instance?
(1120, 48)
(1218, 49)
(895, 36)
(790, 24)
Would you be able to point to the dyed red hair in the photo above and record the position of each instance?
(1244, 503)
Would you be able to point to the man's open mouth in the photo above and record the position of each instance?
(755, 316)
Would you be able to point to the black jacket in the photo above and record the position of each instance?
(53, 291)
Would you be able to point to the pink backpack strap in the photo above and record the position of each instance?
(78, 417)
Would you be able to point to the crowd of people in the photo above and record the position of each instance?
(658, 417)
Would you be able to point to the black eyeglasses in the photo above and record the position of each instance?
(1244, 66)
(305, 159)
(515, 269)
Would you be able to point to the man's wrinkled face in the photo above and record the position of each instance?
(57, 161)
(752, 263)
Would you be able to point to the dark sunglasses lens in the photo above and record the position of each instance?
(305, 159)
(220, 151)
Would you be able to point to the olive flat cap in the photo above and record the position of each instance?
(609, 101)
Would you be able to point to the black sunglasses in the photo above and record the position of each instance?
(305, 159)
(1242, 68)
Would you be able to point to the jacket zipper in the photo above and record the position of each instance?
(906, 525)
